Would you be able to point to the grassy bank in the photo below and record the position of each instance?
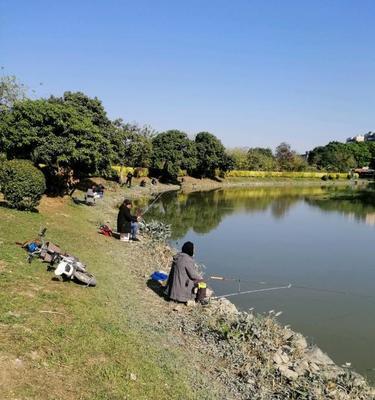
(192, 184)
(121, 340)
(63, 341)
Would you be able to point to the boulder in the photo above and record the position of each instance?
(299, 341)
(224, 306)
(301, 367)
(280, 358)
(315, 355)
(287, 372)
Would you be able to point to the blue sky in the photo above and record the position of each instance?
(254, 73)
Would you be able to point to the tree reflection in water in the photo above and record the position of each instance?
(203, 211)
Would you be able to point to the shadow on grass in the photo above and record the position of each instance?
(4, 204)
(157, 288)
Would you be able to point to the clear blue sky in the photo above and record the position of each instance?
(254, 73)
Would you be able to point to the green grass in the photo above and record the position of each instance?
(94, 339)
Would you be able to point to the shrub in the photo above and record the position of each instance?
(22, 184)
(140, 172)
(325, 177)
(123, 171)
(280, 174)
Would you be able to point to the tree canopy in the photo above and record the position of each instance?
(172, 151)
(54, 133)
(211, 155)
(336, 156)
(260, 159)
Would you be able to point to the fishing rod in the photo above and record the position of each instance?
(238, 280)
(222, 278)
(252, 291)
(152, 203)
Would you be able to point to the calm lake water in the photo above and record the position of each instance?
(274, 236)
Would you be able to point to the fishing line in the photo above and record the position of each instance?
(311, 288)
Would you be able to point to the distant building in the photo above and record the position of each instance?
(370, 137)
(358, 138)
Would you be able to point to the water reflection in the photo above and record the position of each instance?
(202, 212)
(297, 235)
(357, 205)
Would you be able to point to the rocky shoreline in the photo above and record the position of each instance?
(257, 358)
(253, 356)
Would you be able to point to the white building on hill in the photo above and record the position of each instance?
(368, 137)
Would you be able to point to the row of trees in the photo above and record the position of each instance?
(336, 156)
(263, 159)
(72, 137)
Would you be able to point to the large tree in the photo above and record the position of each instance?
(335, 156)
(211, 155)
(239, 156)
(132, 144)
(172, 151)
(57, 134)
(11, 90)
(288, 159)
(260, 159)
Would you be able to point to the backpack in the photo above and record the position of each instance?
(105, 230)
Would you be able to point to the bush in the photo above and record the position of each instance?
(280, 174)
(325, 177)
(123, 171)
(22, 184)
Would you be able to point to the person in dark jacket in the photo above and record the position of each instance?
(129, 178)
(183, 276)
(127, 224)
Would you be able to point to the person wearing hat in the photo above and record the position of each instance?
(183, 276)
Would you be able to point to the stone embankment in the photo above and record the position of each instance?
(260, 359)
(256, 358)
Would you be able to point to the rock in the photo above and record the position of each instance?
(332, 372)
(34, 355)
(314, 368)
(191, 303)
(277, 359)
(287, 372)
(315, 355)
(18, 363)
(300, 342)
(288, 333)
(302, 367)
(224, 306)
(133, 377)
(280, 358)
(13, 314)
(358, 380)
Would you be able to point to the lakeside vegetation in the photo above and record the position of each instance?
(71, 137)
(63, 341)
(121, 340)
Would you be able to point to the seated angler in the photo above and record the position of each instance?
(184, 277)
(127, 224)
